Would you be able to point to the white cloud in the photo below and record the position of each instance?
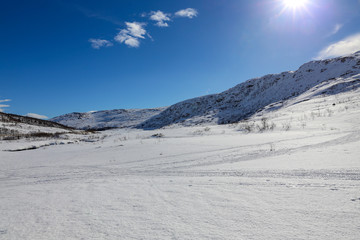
(98, 43)
(124, 37)
(4, 105)
(160, 18)
(136, 29)
(346, 46)
(336, 29)
(34, 115)
(130, 36)
(189, 13)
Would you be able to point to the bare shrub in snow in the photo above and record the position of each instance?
(11, 134)
(286, 126)
(207, 129)
(329, 112)
(247, 127)
(265, 125)
(123, 138)
(158, 135)
(272, 147)
(201, 131)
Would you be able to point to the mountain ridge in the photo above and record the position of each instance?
(245, 99)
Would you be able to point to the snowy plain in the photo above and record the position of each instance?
(298, 180)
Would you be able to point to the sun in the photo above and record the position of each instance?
(295, 4)
(296, 8)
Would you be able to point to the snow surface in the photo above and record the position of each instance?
(300, 180)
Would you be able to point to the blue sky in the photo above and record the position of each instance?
(63, 56)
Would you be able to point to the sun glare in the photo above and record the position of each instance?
(295, 4)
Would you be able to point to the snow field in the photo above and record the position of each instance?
(200, 182)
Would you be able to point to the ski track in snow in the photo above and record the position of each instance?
(191, 195)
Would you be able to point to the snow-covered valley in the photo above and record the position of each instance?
(286, 173)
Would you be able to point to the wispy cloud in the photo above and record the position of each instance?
(93, 14)
(160, 18)
(99, 43)
(336, 29)
(188, 12)
(4, 105)
(35, 115)
(130, 36)
(346, 46)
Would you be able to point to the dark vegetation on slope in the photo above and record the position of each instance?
(12, 124)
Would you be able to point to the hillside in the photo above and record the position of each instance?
(242, 101)
(14, 127)
(100, 120)
(272, 91)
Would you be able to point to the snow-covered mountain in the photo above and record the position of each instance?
(272, 91)
(99, 120)
(242, 101)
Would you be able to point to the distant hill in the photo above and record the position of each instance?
(101, 120)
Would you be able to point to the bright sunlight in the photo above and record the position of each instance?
(295, 4)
